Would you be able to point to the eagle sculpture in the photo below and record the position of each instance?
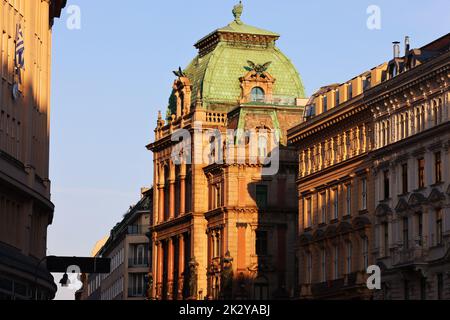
(179, 73)
(258, 68)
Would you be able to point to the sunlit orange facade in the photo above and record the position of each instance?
(25, 207)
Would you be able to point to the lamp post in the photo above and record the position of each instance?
(36, 277)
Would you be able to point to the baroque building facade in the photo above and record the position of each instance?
(224, 223)
(334, 188)
(412, 173)
(25, 206)
(373, 181)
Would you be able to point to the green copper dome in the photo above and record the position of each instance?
(223, 58)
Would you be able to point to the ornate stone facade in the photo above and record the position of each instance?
(412, 174)
(334, 187)
(373, 181)
(223, 229)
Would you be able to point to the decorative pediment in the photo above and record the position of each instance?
(402, 206)
(383, 210)
(436, 196)
(416, 199)
(344, 227)
(318, 235)
(382, 266)
(256, 77)
(330, 231)
(305, 239)
(360, 222)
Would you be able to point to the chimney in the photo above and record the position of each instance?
(396, 49)
(407, 45)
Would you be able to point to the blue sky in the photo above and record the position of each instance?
(112, 76)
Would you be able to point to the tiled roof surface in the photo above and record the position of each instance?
(217, 74)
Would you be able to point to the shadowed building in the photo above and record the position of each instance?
(412, 173)
(25, 207)
(224, 224)
(373, 181)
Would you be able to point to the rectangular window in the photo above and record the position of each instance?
(336, 98)
(386, 183)
(348, 200)
(420, 227)
(309, 268)
(261, 196)
(261, 243)
(323, 207)
(365, 253)
(440, 286)
(367, 83)
(336, 262)
(406, 289)
(439, 237)
(405, 233)
(423, 288)
(349, 91)
(324, 265)
(335, 204)
(325, 104)
(421, 172)
(308, 213)
(386, 238)
(437, 167)
(405, 178)
(364, 194)
(349, 257)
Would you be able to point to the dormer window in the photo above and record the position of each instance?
(325, 104)
(310, 111)
(367, 83)
(349, 91)
(394, 71)
(258, 94)
(336, 98)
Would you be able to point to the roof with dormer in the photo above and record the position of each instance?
(223, 58)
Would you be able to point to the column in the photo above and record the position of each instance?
(345, 156)
(358, 141)
(181, 266)
(161, 186)
(171, 191)
(333, 151)
(170, 268)
(159, 270)
(364, 139)
(309, 161)
(182, 178)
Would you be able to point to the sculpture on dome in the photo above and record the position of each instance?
(258, 68)
(237, 12)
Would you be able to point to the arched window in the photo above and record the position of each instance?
(258, 94)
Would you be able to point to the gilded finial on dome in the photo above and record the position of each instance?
(237, 12)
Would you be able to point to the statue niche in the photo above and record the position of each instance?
(193, 277)
(257, 84)
(226, 277)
